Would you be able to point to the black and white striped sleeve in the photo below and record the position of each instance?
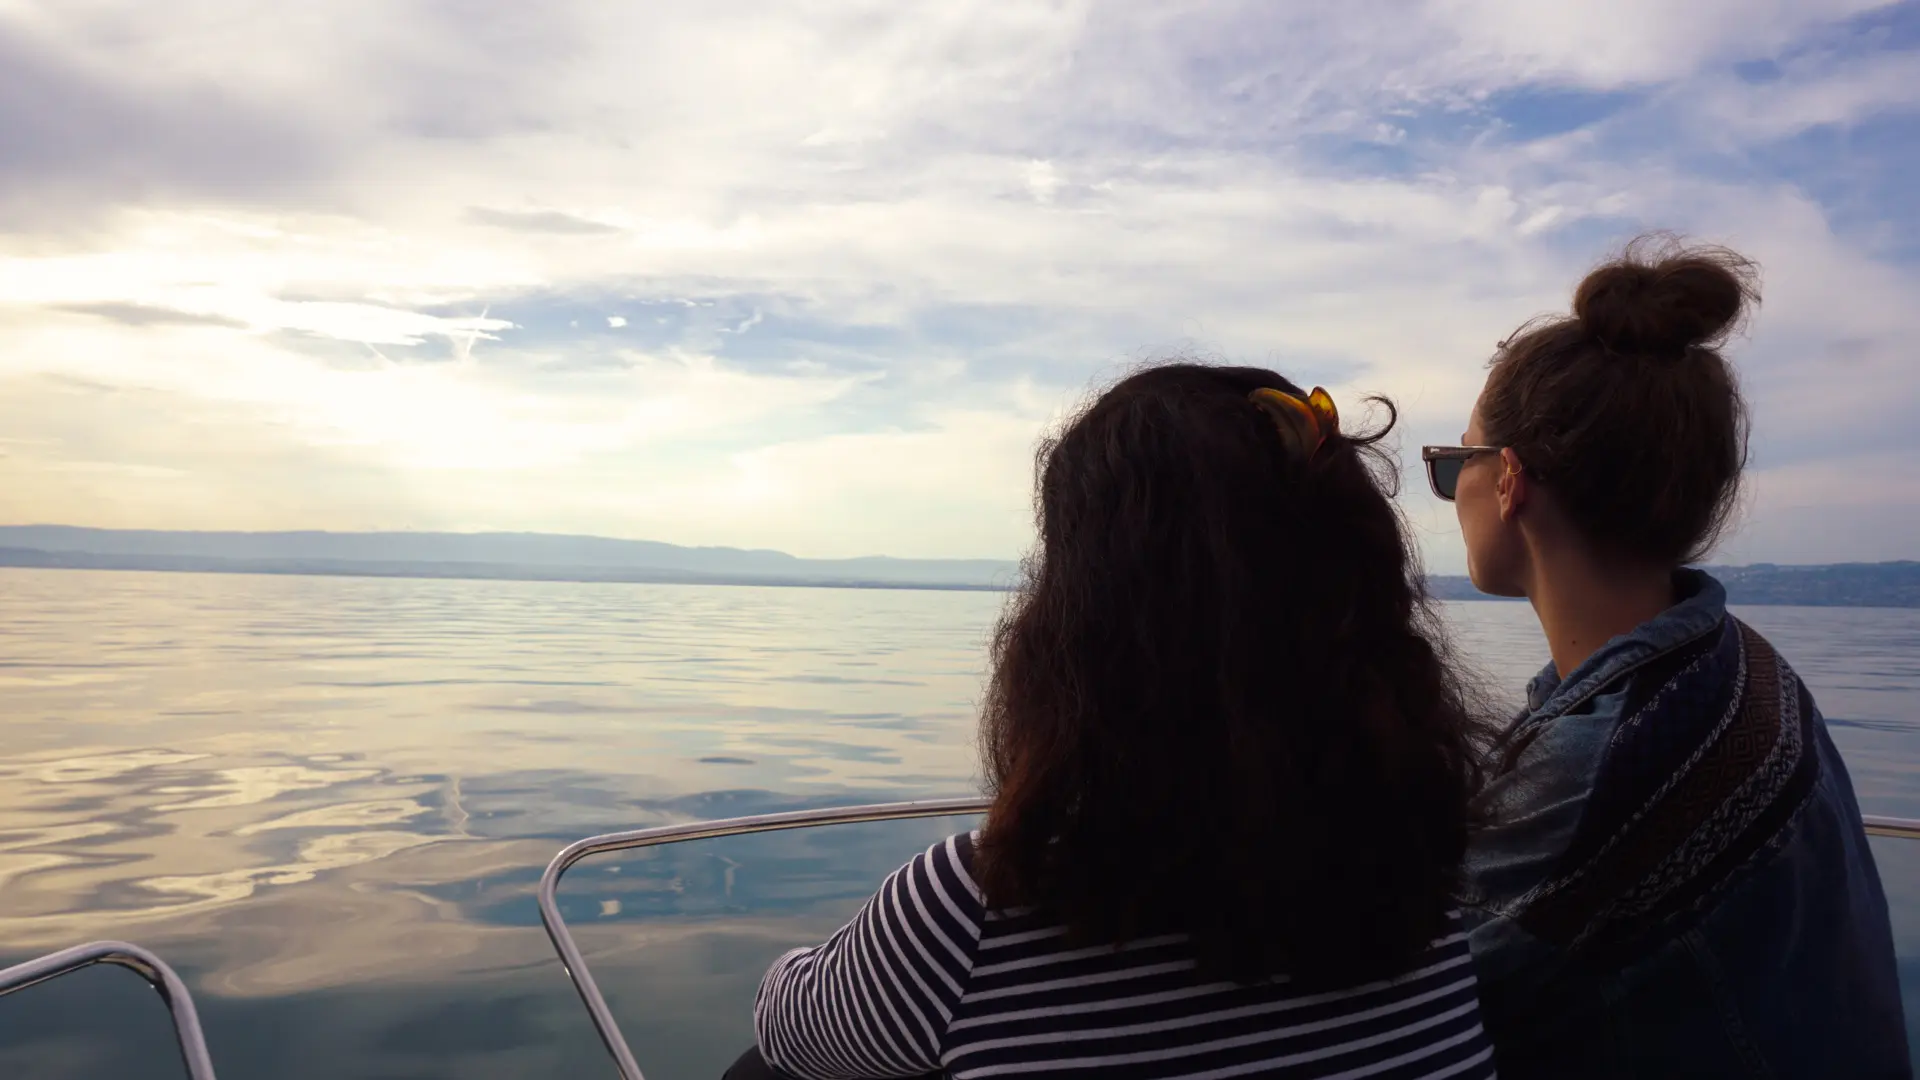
(874, 1000)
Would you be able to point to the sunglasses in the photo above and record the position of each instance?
(1444, 464)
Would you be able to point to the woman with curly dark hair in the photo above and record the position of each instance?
(1230, 772)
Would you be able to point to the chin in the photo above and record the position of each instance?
(1492, 584)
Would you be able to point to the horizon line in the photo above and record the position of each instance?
(1015, 559)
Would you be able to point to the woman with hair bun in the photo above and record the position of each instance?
(1672, 878)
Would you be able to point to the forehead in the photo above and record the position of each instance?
(1473, 419)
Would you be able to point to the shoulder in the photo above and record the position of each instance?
(955, 856)
(1531, 809)
(1574, 773)
(1549, 771)
(1632, 725)
(943, 874)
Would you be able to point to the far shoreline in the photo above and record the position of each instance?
(1446, 588)
(535, 575)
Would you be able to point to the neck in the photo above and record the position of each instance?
(1583, 605)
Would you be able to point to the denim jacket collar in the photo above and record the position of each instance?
(1702, 606)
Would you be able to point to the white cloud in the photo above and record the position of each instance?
(977, 207)
(1607, 44)
(1818, 92)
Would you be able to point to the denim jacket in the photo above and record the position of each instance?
(1672, 878)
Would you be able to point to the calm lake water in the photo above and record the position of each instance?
(327, 800)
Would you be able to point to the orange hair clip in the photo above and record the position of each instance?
(1303, 425)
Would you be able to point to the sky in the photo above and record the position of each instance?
(817, 276)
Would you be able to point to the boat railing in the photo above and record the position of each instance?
(1898, 828)
(576, 964)
(186, 1021)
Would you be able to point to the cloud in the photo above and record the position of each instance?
(861, 252)
(1604, 44)
(540, 221)
(147, 315)
(1832, 91)
(83, 137)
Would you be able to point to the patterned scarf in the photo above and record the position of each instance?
(1713, 757)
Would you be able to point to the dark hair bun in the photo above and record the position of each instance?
(1661, 298)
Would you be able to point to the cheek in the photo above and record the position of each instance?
(1466, 496)
(1479, 514)
(1472, 522)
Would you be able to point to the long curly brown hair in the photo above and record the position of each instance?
(1220, 704)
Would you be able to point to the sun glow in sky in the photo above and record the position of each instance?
(816, 276)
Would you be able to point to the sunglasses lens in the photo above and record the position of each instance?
(1445, 474)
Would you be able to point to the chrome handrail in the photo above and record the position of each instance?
(186, 1022)
(596, 1003)
(576, 964)
(1898, 828)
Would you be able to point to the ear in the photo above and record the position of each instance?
(1511, 485)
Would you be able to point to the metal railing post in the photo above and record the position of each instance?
(576, 964)
(186, 1021)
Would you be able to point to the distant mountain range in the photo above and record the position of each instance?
(531, 556)
(543, 557)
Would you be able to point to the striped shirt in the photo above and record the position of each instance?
(927, 978)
